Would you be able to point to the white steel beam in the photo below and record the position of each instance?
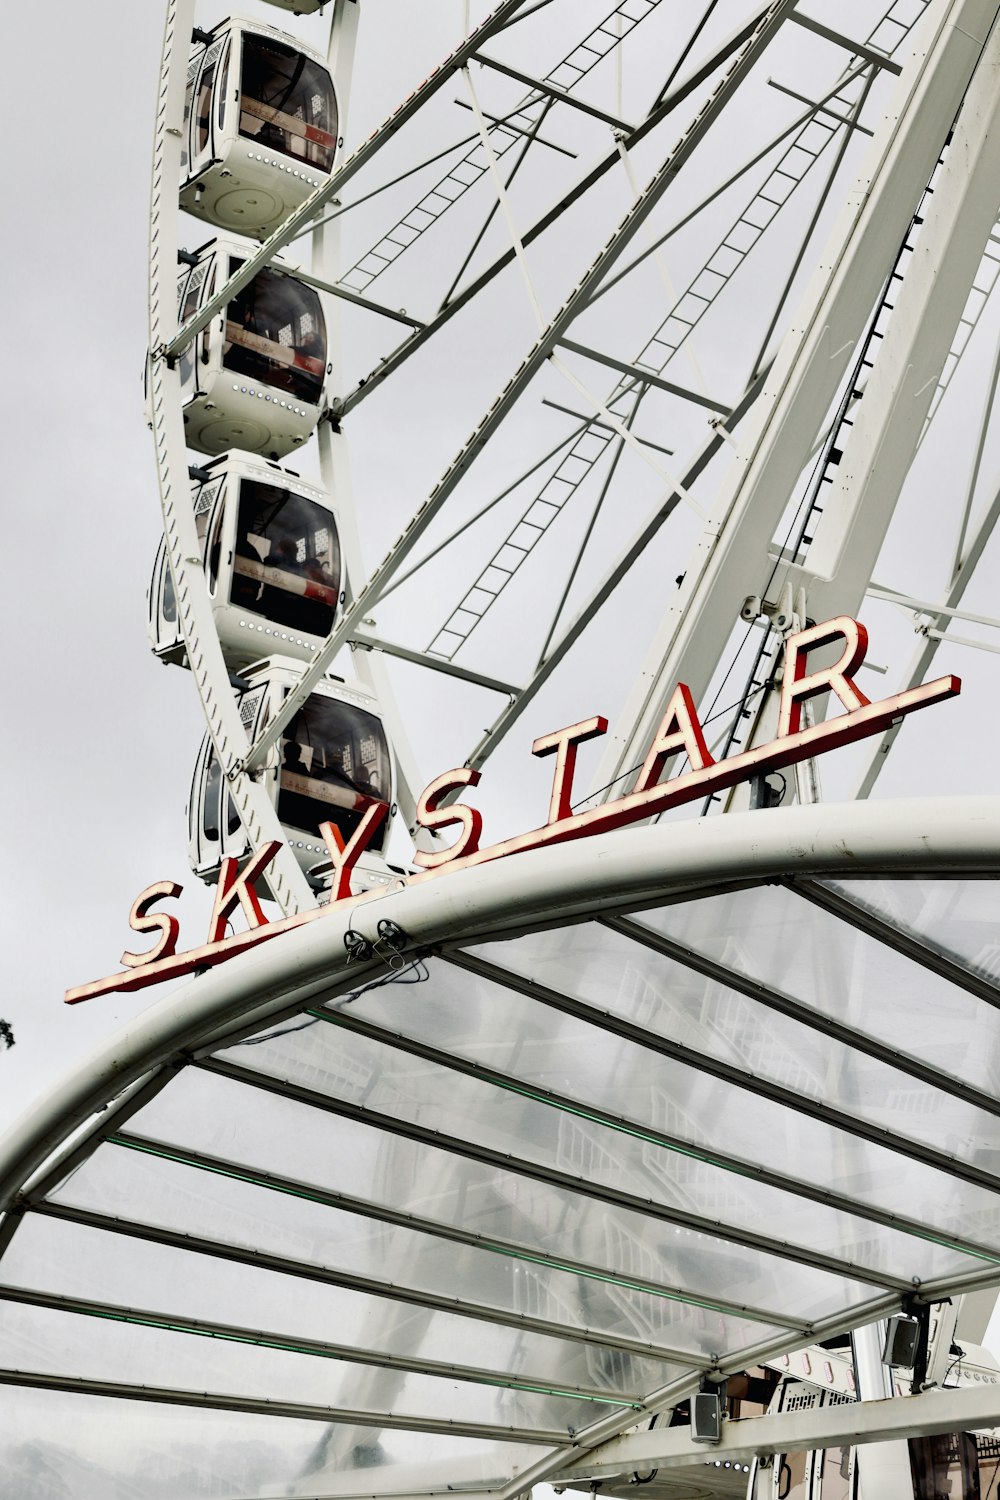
(967, 1410)
(889, 421)
(731, 559)
(927, 650)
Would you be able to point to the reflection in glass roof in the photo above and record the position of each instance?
(561, 1177)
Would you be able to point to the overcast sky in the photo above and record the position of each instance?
(102, 740)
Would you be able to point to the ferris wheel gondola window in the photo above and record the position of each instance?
(334, 764)
(276, 334)
(203, 113)
(212, 803)
(286, 563)
(188, 296)
(221, 90)
(287, 103)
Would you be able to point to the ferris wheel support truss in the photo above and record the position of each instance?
(732, 556)
(916, 337)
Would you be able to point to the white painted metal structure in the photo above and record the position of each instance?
(227, 1210)
(710, 1092)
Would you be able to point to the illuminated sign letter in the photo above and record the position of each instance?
(796, 686)
(233, 888)
(141, 919)
(343, 856)
(430, 815)
(679, 730)
(562, 743)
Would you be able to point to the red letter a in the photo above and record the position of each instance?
(679, 730)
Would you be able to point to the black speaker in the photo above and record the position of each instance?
(901, 1342)
(706, 1417)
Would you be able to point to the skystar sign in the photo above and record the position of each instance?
(679, 733)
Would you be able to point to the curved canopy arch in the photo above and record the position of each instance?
(672, 1100)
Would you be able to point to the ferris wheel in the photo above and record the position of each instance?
(652, 334)
(632, 355)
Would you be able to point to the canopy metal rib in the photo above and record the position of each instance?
(786, 1005)
(554, 1177)
(830, 900)
(437, 1229)
(222, 1401)
(368, 1285)
(641, 1130)
(716, 1068)
(318, 1348)
(98, 1127)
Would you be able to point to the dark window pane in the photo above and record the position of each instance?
(223, 85)
(287, 559)
(334, 764)
(168, 599)
(203, 122)
(210, 805)
(287, 103)
(276, 334)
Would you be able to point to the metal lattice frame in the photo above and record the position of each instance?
(606, 433)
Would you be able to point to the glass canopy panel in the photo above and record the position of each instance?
(96, 1448)
(615, 974)
(49, 1341)
(281, 1134)
(498, 1028)
(182, 1199)
(82, 1261)
(601, 1159)
(959, 918)
(773, 935)
(491, 1204)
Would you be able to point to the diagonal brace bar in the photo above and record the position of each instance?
(553, 93)
(306, 211)
(746, 59)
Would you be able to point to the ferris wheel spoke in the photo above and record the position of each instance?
(524, 120)
(581, 550)
(979, 296)
(619, 570)
(706, 70)
(934, 635)
(536, 520)
(747, 56)
(494, 207)
(824, 196)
